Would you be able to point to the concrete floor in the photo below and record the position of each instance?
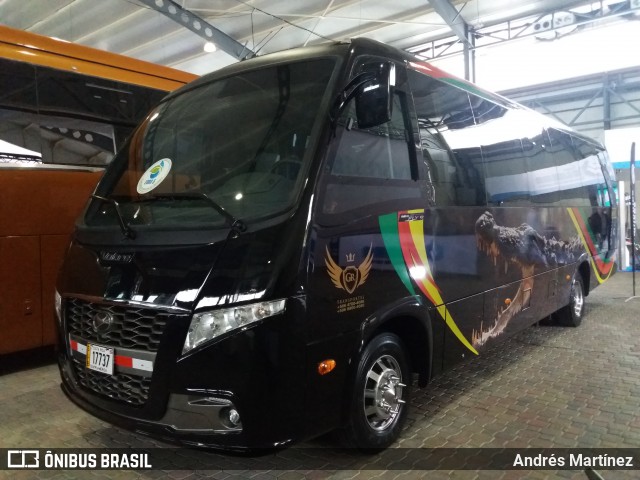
(547, 387)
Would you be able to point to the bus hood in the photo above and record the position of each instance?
(163, 276)
(188, 277)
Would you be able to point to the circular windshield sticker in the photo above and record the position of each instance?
(154, 176)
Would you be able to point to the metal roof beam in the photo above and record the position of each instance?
(448, 12)
(456, 23)
(200, 27)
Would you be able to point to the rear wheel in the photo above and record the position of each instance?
(571, 315)
(379, 406)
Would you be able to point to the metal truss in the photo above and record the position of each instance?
(521, 28)
(200, 27)
(612, 100)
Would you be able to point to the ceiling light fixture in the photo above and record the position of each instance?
(210, 47)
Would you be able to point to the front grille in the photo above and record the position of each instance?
(131, 389)
(132, 327)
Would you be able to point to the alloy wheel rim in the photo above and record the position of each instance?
(578, 299)
(383, 391)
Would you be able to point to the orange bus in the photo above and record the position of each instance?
(64, 111)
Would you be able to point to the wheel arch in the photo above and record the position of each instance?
(408, 319)
(585, 272)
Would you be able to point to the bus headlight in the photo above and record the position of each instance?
(206, 326)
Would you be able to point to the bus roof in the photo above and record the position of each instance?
(51, 52)
(358, 46)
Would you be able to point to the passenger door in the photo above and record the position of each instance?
(367, 173)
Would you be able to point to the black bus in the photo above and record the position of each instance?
(286, 246)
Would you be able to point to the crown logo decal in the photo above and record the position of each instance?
(350, 277)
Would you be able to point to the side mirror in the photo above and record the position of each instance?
(374, 100)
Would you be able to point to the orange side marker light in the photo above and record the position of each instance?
(326, 366)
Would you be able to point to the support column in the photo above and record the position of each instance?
(456, 23)
(469, 54)
(606, 103)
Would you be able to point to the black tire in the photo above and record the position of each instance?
(380, 400)
(571, 315)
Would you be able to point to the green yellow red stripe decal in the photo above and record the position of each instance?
(403, 237)
(391, 239)
(601, 268)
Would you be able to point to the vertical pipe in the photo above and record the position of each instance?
(469, 50)
(632, 195)
(606, 103)
(622, 226)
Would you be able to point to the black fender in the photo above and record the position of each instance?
(404, 316)
(584, 268)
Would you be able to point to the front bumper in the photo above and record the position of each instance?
(190, 420)
(188, 400)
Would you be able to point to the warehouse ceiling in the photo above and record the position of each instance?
(174, 33)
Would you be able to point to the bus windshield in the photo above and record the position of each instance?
(238, 144)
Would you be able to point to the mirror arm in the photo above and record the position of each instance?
(348, 93)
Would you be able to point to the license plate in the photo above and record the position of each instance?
(100, 358)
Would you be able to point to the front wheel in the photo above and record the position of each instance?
(571, 315)
(379, 402)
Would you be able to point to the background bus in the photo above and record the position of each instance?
(64, 111)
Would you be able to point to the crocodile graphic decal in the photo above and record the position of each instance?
(520, 247)
(524, 248)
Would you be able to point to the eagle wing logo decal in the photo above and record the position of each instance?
(350, 277)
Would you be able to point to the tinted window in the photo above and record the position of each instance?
(450, 150)
(84, 120)
(74, 141)
(370, 167)
(541, 166)
(63, 93)
(19, 134)
(590, 172)
(53, 116)
(571, 191)
(380, 152)
(609, 197)
(500, 132)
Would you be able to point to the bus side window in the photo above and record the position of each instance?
(541, 167)
(449, 151)
(370, 167)
(591, 175)
(595, 188)
(71, 108)
(503, 154)
(378, 152)
(19, 136)
(609, 196)
(571, 190)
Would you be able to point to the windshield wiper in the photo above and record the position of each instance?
(234, 223)
(127, 231)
